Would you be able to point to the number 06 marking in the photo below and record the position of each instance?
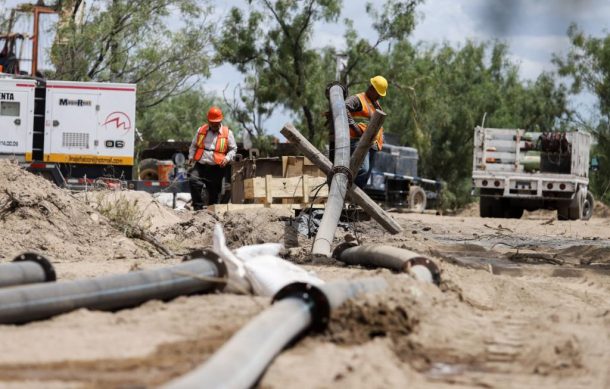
(111, 144)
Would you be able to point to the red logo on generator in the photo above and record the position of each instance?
(118, 120)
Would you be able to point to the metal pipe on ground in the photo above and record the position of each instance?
(366, 140)
(401, 260)
(26, 268)
(297, 309)
(204, 272)
(340, 174)
(356, 194)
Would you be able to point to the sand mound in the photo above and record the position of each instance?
(601, 210)
(37, 215)
(253, 227)
(152, 214)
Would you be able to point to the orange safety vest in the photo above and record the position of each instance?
(222, 143)
(363, 117)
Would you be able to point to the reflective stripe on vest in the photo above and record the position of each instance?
(222, 144)
(363, 118)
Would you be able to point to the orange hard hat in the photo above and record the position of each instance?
(215, 115)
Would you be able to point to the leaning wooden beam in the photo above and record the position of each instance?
(340, 180)
(356, 194)
(366, 140)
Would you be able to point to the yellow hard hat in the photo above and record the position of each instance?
(380, 84)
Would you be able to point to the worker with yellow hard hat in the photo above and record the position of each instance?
(360, 109)
(212, 149)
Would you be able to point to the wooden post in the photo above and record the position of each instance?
(340, 181)
(356, 194)
(268, 189)
(366, 141)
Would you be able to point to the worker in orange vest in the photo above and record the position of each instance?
(360, 109)
(212, 149)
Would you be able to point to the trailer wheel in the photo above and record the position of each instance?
(148, 169)
(486, 205)
(417, 198)
(563, 212)
(515, 212)
(587, 207)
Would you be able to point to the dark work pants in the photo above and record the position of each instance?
(363, 174)
(209, 176)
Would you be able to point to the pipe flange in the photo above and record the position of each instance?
(314, 297)
(341, 248)
(47, 267)
(340, 169)
(334, 83)
(211, 256)
(427, 263)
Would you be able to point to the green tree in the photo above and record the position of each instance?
(179, 117)
(439, 94)
(272, 44)
(587, 68)
(130, 41)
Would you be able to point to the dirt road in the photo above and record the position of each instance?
(523, 303)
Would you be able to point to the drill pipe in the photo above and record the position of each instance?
(26, 268)
(298, 308)
(340, 180)
(419, 266)
(356, 194)
(22, 304)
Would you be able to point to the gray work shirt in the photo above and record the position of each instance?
(209, 144)
(353, 104)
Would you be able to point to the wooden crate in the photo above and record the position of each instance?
(271, 189)
(294, 166)
(222, 208)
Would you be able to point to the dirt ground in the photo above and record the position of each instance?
(523, 303)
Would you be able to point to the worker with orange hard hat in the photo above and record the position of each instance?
(360, 109)
(212, 149)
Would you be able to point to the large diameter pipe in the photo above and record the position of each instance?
(22, 304)
(401, 260)
(298, 308)
(356, 194)
(26, 268)
(366, 140)
(340, 181)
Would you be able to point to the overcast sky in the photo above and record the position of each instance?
(534, 30)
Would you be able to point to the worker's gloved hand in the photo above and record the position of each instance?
(224, 162)
(189, 163)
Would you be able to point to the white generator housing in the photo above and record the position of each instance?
(16, 117)
(82, 123)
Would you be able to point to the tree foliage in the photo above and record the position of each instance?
(439, 94)
(178, 117)
(130, 41)
(271, 43)
(587, 67)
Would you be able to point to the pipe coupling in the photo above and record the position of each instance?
(211, 256)
(343, 170)
(434, 270)
(314, 297)
(335, 83)
(45, 264)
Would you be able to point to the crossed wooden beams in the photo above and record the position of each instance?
(340, 175)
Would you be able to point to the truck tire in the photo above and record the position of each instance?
(486, 205)
(563, 212)
(417, 198)
(587, 207)
(148, 169)
(514, 212)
